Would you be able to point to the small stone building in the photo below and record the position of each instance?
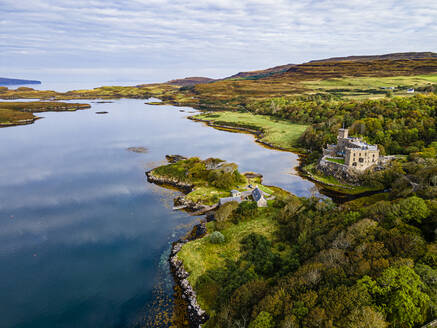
(258, 197)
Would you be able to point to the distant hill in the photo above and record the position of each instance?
(7, 81)
(375, 67)
(190, 81)
(260, 73)
(395, 64)
(251, 75)
(394, 56)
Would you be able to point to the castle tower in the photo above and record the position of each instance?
(343, 134)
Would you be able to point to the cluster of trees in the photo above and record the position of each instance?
(416, 176)
(332, 266)
(400, 125)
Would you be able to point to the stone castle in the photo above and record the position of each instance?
(351, 152)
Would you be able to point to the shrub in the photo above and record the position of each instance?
(263, 320)
(225, 210)
(217, 238)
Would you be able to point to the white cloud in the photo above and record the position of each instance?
(208, 35)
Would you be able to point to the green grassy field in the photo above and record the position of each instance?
(277, 132)
(365, 87)
(336, 160)
(201, 255)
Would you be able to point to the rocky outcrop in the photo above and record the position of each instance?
(196, 316)
(172, 159)
(251, 175)
(182, 202)
(340, 171)
(161, 180)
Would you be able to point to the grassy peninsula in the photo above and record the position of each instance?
(273, 131)
(206, 181)
(19, 113)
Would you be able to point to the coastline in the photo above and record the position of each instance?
(194, 314)
(187, 308)
(257, 133)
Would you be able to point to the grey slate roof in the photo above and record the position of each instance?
(257, 194)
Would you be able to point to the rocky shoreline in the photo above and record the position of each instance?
(20, 122)
(196, 316)
(191, 311)
(159, 180)
(179, 202)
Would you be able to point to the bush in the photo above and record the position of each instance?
(263, 320)
(246, 210)
(217, 238)
(225, 210)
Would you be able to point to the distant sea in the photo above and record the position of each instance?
(76, 85)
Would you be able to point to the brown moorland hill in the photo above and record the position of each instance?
(374, 68)
(229, 93)
(190, 81)
(393, 56)
(261, 73)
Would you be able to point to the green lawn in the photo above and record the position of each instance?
(372, 82)
(280, 133)
(365, 87)
(336, 160)
(206, 195)
(200, 255)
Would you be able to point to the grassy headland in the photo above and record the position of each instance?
(205, 180)
(18, 113)
(275, 132)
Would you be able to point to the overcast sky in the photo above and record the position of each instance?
(156, 40)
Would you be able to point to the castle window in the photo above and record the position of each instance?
(361, 160)
(354, 164)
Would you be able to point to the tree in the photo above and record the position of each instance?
(398, 291)
(263, 320)
(365, 317)
(413, 209)
(225, 211)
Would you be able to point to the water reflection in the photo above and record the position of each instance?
(81, 231)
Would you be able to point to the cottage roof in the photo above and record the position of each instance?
(234, 191)
(257, 194)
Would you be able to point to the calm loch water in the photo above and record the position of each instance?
(83, 235)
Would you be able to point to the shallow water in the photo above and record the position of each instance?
(83, 235)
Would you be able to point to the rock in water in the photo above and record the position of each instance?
(141, 150)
